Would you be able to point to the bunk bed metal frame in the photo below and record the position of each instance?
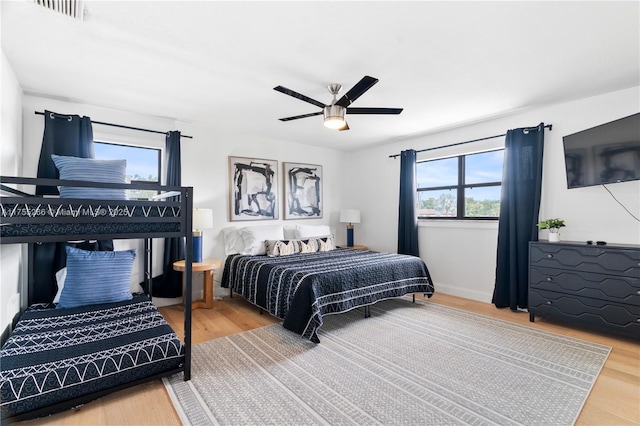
(21, 213)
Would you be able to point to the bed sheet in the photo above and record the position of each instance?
(301, 288)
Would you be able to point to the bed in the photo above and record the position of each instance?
(62, 355)
(302, 287)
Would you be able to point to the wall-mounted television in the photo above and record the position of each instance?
(607, 153)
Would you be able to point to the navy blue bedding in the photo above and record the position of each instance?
(301, 288)
(54, 355)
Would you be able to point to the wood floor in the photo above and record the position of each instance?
(614, 400)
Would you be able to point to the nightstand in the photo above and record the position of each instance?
(356, 247)
(206, 266)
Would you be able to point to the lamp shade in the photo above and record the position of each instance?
(350, 216)
(202, 219)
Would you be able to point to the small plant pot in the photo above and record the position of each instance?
(554, 237)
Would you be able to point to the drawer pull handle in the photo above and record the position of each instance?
(549, 279)
(549, 256)
(549, 302)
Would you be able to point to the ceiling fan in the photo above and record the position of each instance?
(334, 113)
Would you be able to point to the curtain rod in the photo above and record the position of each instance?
(120, 125)
(548, 126)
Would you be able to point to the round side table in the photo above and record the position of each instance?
(206, 266)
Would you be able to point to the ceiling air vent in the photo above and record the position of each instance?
(71, 8)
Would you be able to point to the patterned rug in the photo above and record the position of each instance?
(409, 363)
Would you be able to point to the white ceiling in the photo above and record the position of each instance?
(445, 63)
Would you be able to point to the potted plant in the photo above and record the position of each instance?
(553, 225)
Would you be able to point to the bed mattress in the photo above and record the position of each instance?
(56, 355)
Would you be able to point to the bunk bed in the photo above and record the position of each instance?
(59, 358)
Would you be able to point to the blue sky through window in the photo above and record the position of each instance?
(142, 163)
(479, 168)
(484, 167)
(436, 173)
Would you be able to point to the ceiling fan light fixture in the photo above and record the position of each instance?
(334, 113)
(334, 117)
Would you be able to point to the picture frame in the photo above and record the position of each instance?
(302, 191)
(253, 189)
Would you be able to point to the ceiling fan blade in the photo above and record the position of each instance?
(345, 127)
(374, 111)
(356, 91)
(295, 117)
(299, 96)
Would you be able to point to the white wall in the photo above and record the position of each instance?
(461, 256)
(10, 160)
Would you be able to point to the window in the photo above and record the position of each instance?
(143, 164)
(462, 187)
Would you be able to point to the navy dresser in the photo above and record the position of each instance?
(588, 285)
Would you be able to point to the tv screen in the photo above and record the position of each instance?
(607, 153)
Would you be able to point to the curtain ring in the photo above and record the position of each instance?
(525, 131)
(69, 118)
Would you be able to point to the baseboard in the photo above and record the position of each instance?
(467, 293)
(166, 301)
(218, 291)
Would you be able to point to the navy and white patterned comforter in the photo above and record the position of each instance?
(301, 288)
(54, 355)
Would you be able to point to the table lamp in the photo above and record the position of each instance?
(350, 217)
(202, 219)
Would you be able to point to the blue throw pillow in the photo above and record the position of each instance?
(95, 277)
(92, 170)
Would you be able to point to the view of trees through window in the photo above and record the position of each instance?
(143, 164)
(466, 186)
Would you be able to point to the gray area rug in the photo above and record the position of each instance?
(409, 363)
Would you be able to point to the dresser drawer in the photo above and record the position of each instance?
(603, 260)
(613, 288)
(621, 319)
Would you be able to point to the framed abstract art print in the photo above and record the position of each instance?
(253, 192)
(303, 191)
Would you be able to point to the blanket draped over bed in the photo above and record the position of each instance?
(301, 288)
(54, 355)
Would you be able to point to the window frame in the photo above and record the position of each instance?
(460, 188)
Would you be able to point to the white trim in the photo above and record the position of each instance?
(459, 224)
(466, 293)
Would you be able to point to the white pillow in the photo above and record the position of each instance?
(233, 241)
(289, 232)
(61, 275)
(308, 231)
(255, 236)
